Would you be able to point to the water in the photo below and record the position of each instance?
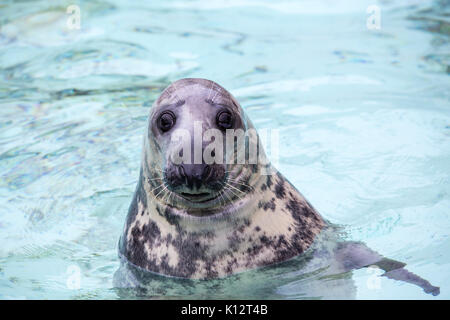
(363, 118)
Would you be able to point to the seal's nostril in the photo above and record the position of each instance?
(181, 172)
(206, 172)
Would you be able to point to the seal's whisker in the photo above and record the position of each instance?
(165, 188)
(175, 92)
(148, 179)
(168, 193)
(226, 194)
(222, 193)
(225, 191)
(217, 92)
(210, 90)
(235, 194)
(172, 194)
(162, 185)
(221, 196)
(235, 188)
(242, 184)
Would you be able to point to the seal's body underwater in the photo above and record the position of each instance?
(195, 218)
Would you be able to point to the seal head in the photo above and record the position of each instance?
(191, 171)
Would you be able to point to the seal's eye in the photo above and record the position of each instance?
(166, 121)
(224, 119)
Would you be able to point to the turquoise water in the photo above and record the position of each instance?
(363, 118)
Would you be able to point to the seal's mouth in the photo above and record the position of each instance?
(197, 197)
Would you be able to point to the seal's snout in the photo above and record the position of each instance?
(195, 179)
(194, 174)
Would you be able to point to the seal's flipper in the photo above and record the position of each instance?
(404, 275)
(356, 255)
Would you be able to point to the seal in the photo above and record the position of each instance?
(206, 221)
(204, 208)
